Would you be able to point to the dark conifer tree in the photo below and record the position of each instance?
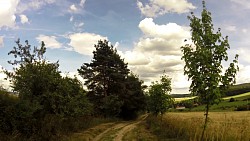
(105, 75)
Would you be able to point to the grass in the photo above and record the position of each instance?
(89, 134)
(90, 129)
(140, 133)
(222, 126)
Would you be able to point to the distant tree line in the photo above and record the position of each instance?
(238, 89)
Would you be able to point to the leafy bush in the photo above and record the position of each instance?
(7, 111)
(45, 99)
(243, 108)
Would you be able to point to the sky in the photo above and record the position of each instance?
(148, 34)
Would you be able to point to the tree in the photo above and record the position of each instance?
(203, 61)
(159, 99)
(133, 98)
(24, 54)
(105, 75)
(112, 90)
(40, 84)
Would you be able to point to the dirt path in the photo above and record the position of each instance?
(115, 131)
(115, 127)
(128, 128)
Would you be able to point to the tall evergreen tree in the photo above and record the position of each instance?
(105, 74)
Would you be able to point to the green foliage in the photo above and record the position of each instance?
(188, 103)
(111, 105)
(110, 87)
(159, 98)
(24, 54)
(7, 102)
(41, 85)
(231, 100)
(243, 107)
(203, 60)
(105, 75)
(133, 98)
(33, 80)
(45, 98)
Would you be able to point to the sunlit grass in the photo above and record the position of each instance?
(184, 98)
(239, 97)
(222, 126)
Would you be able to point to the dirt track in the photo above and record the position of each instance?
(110, 131)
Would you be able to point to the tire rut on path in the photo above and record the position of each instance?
(128, 128)
(117, 126)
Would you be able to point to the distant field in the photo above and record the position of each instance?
(184, 98)
(240, 103)
(239, 97)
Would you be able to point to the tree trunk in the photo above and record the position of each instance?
(206, 121)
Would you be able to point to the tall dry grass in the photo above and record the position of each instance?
(222, 126)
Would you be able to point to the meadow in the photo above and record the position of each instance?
(187, 126)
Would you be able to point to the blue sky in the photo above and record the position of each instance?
(147, 33)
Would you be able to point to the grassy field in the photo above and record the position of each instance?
(240, 102)
(223, 126)
(183, 98)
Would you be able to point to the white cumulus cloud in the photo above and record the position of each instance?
(158, 50)
(72, 8)
(243, 74)
(24, 19)
(83, 43)
(50, 41)
(160, 7)
(170, 30)
(7, 12)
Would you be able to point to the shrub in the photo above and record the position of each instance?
(243, 108)
(231, 100)
(7, 108)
